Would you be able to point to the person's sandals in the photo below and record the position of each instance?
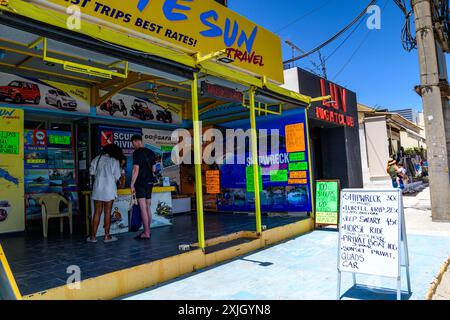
(140, 237)
(111, 239)
(90, 240)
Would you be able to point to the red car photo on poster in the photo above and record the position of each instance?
(20, 91)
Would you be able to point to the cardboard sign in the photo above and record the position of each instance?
(213, 181)
(298, 174)
(249, 179)
(295, 137)
(369, 232)
(9, 142)
(278, 176)
(297, 156)
(298, 166)
(327, 202)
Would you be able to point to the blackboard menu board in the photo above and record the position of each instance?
(369, 232)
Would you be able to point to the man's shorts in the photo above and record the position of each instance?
(144, 192)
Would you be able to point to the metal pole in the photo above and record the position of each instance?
(8, 286)
(311, 183)
(433, 112)
(339, 286)
(255, 162)
(198, 162)
(405, 246)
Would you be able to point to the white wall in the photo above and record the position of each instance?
(377, 151)
(291, 80)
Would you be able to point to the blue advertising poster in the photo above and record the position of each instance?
(284, 174)
(122, 138)
(49, 168)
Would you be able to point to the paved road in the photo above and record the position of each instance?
(305, 268)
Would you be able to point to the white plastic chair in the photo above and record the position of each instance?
(50, 206)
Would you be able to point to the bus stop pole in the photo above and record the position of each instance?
(255, 163)
(198, 162)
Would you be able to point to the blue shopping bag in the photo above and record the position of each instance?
(135, 217)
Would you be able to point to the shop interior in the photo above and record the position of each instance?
(74, 130)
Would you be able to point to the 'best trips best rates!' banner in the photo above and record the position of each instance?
(202, 26)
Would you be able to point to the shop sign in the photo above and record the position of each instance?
(221, 93)
(193, 26)
(334, 110)
(11, 170)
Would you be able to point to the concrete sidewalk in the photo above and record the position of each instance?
(305, 268)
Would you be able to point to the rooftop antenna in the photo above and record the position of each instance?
(294, 47)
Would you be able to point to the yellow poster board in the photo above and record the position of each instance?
(12, 216)
(200, 26)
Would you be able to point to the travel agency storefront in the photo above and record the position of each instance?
(69, 86)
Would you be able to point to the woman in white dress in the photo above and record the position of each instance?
(106, 170)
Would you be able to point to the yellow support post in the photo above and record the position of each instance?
(255, 162)
(311, 183)
(198, 163)
(8, 290)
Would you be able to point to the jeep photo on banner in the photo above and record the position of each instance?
(16, 90)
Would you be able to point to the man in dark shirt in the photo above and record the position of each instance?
(142, 182)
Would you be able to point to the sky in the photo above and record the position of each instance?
(372, 63)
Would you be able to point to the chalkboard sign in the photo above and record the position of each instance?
(327, 202)
(372, 234)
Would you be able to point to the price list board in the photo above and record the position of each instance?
(369, 232)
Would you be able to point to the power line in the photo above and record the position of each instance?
(345, 40)
(358, 48)
(353, 54)
(323, 4)
(337, 35)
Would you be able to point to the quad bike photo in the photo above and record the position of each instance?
(164, 116)
(112, 107)
(140, 110)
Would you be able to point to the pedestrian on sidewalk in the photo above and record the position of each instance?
(393, 170)
(142, 180)
(106, 171)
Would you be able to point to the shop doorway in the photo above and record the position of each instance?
(50, 168)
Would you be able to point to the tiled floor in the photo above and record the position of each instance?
(39, 264)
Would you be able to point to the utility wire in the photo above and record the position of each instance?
(345, 40)
(358, 48)
(337, 35)
(323, 4)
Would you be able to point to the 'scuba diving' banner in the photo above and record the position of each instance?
(12, 216)
(202, 26)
